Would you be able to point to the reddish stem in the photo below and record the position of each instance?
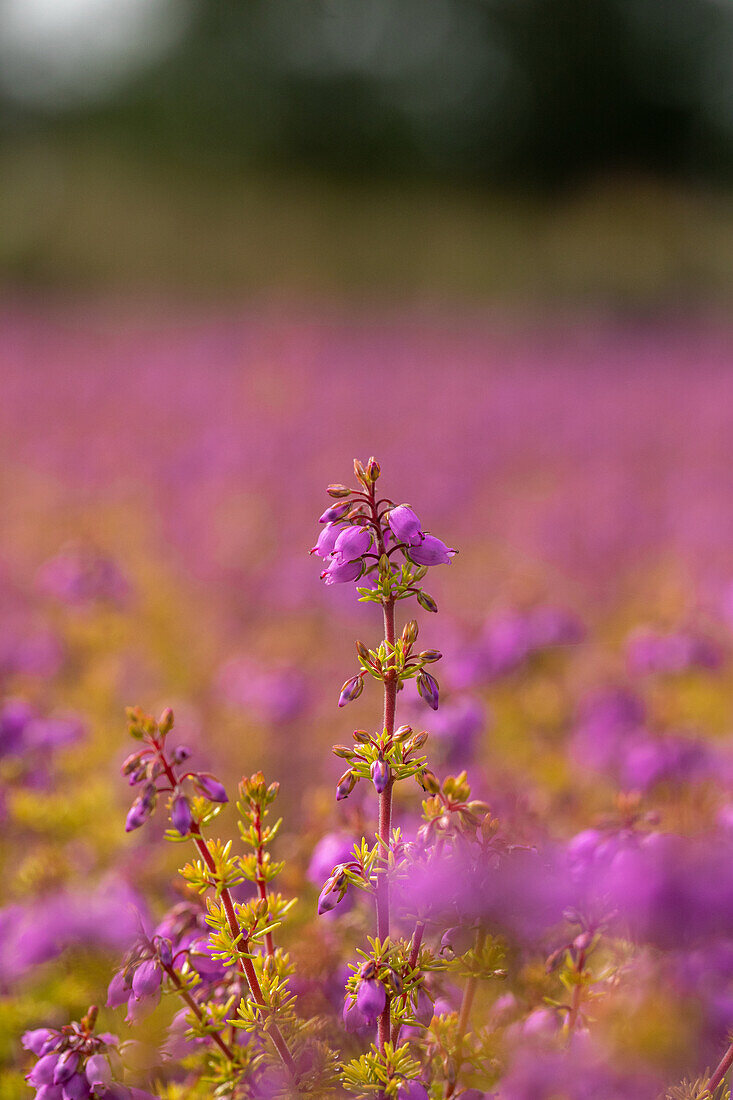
(241, 939)
(417, 936)
(186, 996)
(261, 880)
(723, 1066)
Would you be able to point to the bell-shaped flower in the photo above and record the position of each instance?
(431, 551)
(405, 525)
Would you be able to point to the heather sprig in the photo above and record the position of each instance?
(370, 538)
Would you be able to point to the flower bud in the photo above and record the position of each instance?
(335, 512)
(333, 891)
(410, 632)
(416, 741)
(456, 941)
(343, 751)
(338, 491)
(427, 688)
(351, 690)
(363, 652)
(380, 773)
(361, 737)
(345, 785)
(132, 763)
(402, 733)
(181, 819)
(165, 951)
(180, 754)
(430, 655)
(371, 998)
(138, 814)
(373, 469)
(428, 781)
(165, 722)
(65, 1067)
(147, 979)
(98, 1072)
(210, 787)
(427, 601)
(359, 471)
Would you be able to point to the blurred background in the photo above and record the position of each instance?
(488, 241)
(471, 150)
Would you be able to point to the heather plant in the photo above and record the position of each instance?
(467, 949)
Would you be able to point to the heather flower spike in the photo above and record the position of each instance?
(384, 547)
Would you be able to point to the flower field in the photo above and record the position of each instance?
(540, 902)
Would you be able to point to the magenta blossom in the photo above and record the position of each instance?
(405, 525)
(341, 572)
(431, 551)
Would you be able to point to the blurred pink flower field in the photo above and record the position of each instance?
(160, 483)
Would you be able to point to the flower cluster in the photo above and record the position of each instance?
(557, 926)
(76, 1063)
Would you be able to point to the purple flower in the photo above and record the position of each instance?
(210, 787)
(351, 690)
(50, 1092)
(431, 551)
(76, 1088)
(138, 814)
(413, 1090)
(332, 892)
(65, 1067)
(339, 572)
(353, 542)
(371, 998)
(331, 849)
(326, 540)
(405, 525)
(336, 511)
(181, 814)
(427, 688)
(44, 1070)
(98, 1071)
(118, 991)
(37, 1039)
(380, 774)
(146, 979)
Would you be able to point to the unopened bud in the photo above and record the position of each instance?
(165, 722)
(416, 742)
(428, 781)
(402, 733)
(373, 469)
(351, 690)
(380, 773)
(338, 491)
(132, 763)
(180, 754)
(345, 785)
(426, 601)
(430, 655)
(410, 632)
(343, 751)
(428, 689)
(360, 472)
(361, 737)
(363, 652)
